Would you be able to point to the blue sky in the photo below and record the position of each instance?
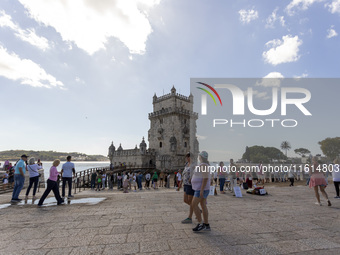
(76, 75)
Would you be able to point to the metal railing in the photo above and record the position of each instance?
(82, 179)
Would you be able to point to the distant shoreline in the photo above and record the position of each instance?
(14, 155)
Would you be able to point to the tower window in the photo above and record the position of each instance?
(160, 144)
(185, 144)
(161, 121)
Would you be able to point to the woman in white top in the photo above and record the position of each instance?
(179, 179)
(34, 178)
(336, 177)
(201, 185)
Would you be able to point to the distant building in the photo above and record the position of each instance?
(171, 135)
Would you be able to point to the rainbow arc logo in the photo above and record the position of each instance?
(209, 93)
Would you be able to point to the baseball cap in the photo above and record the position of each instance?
(204, 154)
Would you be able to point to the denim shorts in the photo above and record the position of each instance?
(205, 193)
(188, 190)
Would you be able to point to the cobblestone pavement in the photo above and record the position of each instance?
(148, 222)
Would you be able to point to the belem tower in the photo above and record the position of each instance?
(172, 134)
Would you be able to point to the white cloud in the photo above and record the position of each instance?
(262, 95)
(274, 75)
(282, 51)
(299, 5)
(273, 79)
(78, 80)
(89, 23)
(25, 70)
(27, 35)
(304, 75)
(331, 32)
(246, 16)
(334, 7)
(273, 17)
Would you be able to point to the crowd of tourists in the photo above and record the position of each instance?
(195, 179)
(33, 167)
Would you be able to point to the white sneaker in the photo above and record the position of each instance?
(317, 203)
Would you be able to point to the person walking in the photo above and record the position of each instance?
(188, 191)
(201, 185)
(291, 176)
(336, 177)
(66, 172)
(19, 178)
(317, 181)
(52, 184)
(33, 170)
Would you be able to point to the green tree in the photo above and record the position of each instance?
(260, 153)
(302, 151)
(285, 145)
(330, 147)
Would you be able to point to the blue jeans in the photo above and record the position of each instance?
(18, 185)
(69, 183)
(222, 181)
(139, 183)
(93, 184)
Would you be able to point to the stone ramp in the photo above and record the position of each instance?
(148, 222)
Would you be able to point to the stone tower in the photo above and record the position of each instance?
(172, 130)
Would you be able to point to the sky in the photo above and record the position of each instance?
(76, 75)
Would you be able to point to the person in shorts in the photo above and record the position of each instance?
(188, 191)
(200, 182)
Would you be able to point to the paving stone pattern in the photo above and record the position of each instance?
(148, 222)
